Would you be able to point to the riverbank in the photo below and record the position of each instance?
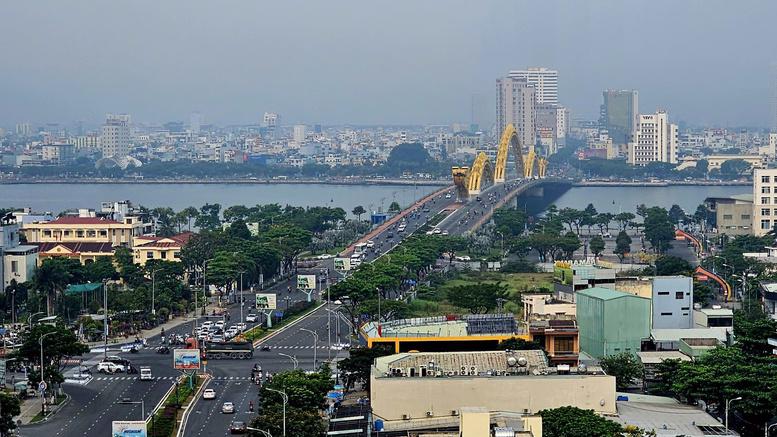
(240, 181)
(695, 183)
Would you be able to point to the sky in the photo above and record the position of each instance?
(706, 62)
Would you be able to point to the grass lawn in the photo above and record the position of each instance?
(516, 282)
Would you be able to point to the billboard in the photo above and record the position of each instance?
(342, 264)
(128, 428)
(186, 359)
(306, 282)
(266, 301)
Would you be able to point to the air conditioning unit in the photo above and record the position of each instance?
(429, 414)
(454, 413)
(405, 417)
(439, 373)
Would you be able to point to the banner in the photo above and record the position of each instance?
(306, 282)
(266, 301)
(186, 359)
(342, 264)
(128, 428)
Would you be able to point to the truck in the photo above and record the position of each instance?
(236, 350)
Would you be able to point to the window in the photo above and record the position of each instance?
(663, 293)
(766, 224)
(678, 295)
(728, 217)
(765, 190)
(745, 217)
(47, 233)
(563, 344)
(666, 314)
(685, 308)
(764, 201)
(163, 255)
(765, 179)
(177, 255)
(149, 255)
(14, 266)
(766, 211)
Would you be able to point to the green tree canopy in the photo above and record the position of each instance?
(477, 298)
(625, 367)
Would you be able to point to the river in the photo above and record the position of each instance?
(59, 197)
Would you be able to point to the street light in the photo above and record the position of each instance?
(204, 265)
(33, 316)
(728, 404)
(768, 427)
(105, 320)
(128, 401)
(153, 291)
(285, 401)
(315, 344)
(241, 295)
(42, 380)
(293, 359)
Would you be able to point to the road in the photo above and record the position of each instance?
(465, 218)
(93, 406)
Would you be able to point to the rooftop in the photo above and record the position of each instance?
(677, 334)
(668, 418)
(490, 363)
(445, 326)
(656, 357)
(71, 220)
(717, 312)
(605, 293)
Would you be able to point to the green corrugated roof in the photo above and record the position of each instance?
(82, 288)
(603, 293)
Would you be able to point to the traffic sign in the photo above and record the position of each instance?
(42, 386)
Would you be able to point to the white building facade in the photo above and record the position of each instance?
(654, 141)
(516, 104)
(544, 81)
(116, 138)
(764, 200)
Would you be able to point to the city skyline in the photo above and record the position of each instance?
(142, 68)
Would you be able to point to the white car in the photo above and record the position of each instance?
(228, 408)
(463, 258)
(220, 324)
(209, 393)
(436, 231)
(241, 326)
(370, 244)
(108, 367)
(145, 374)
(325, 256)
(251, 318)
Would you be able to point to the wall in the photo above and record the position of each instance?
(626, 323)
(393, 397)
(668, 311)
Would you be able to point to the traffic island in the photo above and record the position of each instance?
(169, 415)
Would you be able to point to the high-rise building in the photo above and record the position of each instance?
(654, 141)
(270, 122)
(764, 200)
(773, 96)
(619, 114)
(195, 119)
(299, 134)
(515, 103)
(115, 139)
(23, 129)
(554, 118)
(544, 81)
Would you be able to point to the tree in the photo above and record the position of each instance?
(389, 309)
(664, 375)
(408, 156)
(572, 218)
(519, 344)
(190, 213)
(51, 278)
(305, 394)
(356, 368)
(208, 218)
(575, 422)
(477, 298)
(603, 221)
(358, 211)
(510, 221)
(10, 407)
(624, 219)
(394, 207)
(596, 245)
(568, 244)
(734, 168)
(59, 345)
(625, 367)
(658, 228)
(676, 214)
(589, 216)
(668, 265)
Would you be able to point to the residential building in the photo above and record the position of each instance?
(769, 150)
(769, 292)
(544, 81)
(409, 386)
(145, 248)
(115, 141)
(655, 140)
(611, 321)
(619, 113)
(17, 261)
(555, 119)
(715, 317)
(568, 278)
(672, 302)
(299, 134)
(733, 215)
(58, 153)
(515, 103)
(764, 200)
(195, 119)
(87, 141)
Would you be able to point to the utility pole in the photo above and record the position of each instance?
(105, 320)
(241, 295)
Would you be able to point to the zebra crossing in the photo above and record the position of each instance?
(297, 347)
(168, 378)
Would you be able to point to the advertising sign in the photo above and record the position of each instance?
(342, 264)
(306, 282)
(128, 428)
(266, 301)
(186, 359)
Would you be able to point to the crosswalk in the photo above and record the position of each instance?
(297, 347)
(168, 378)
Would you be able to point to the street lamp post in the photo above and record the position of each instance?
(293, 359)
(33, 316)
(127, 401)
(728, 404)
(285, 401)
(315, 344)
(105, 318)
(241, 295)
(153, 291)
(204, 265)
(40, 340)
(768, 427)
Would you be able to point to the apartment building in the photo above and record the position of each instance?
(544, 81)
(515, 103)
(619, 112)
(764, 200)
(655, 140)
(115, 140)
(146, 248)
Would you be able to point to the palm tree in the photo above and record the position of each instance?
(358, 211)
(51, 277)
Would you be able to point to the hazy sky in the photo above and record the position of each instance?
(369, 61)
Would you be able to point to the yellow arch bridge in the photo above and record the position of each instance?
(470, 181)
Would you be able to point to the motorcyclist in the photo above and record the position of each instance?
(251, 406)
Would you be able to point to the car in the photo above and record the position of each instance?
(436, 231)
(206, 324)
(220, 324)
(209, 393)
(325, 256)
(145, 374)
(251, 318)
(241, 326)
(109, 367)
(163, 350)
(264, 348)
(463, 258)
(228, 408)
(238, 427)
(444, 232)
(370, 244)
(117, 360)
(448, 195)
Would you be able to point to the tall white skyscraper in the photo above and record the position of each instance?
(195, 119)
(654, 141)
(299, 134)
(515, 103)
(544, 81)
(115, 139)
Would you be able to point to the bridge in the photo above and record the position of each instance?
(470, 181)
